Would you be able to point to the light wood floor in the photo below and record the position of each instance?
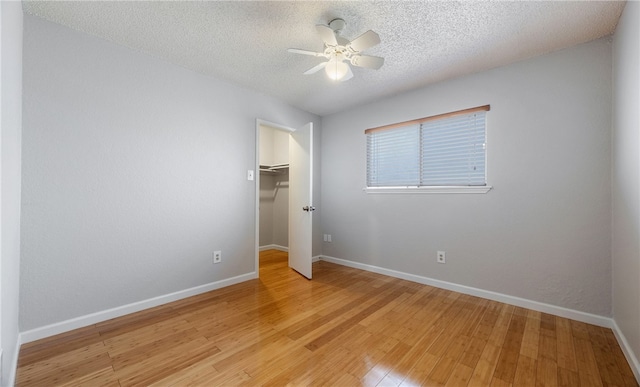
(346, 327)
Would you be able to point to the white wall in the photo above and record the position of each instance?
(543, 233)
(134, 172)
(626, 179)
(11, 20)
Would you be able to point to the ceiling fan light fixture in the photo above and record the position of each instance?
(336, 69)
(341, 52)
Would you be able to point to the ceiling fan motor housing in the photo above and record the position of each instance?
(337, 25)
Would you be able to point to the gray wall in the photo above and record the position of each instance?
(626, 176)
(134, 172)
(543, 233)
(10, 138)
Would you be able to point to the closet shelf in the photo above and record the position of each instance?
(276, 168)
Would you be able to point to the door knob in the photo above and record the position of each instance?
(308, 208)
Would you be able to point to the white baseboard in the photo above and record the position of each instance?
(316, 258)
(94, 318)
(517, 301)
(273, 247)
(632, 359)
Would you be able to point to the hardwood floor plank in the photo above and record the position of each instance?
(606, 363)
(472, 352)
(579, 330)
(46, 348)
(525, 371)
(531, 338)
(270, 368)
(351, 321)
(546, 372)
(156, 348)
(548, 347)
(567, 378)
(346, 327)
(421, 370)
(508, 360)
(159, 367)
(483, 373)
(64, 373)
(548, 325)
(460, 376)
(100, 378)
(51, 364)
(621, 361)
(566, 357)
(589, 374)
(194, 374)
(443, 369)
(416, 352)
(145, 335)
(501, 326)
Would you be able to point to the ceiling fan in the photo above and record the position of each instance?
(340, 51)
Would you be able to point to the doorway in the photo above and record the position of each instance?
(273, 188)
(284, 208)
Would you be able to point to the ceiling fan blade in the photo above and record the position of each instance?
(364, 41)
(370, 62)
(348, 75)
(327, 35)
(304, 52)
(315, 69)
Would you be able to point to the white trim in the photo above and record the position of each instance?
(429, 190)
(256, 210)
(274, 247)
(626, 349)
(316, 258)
(275, 126)
(93, 318)
(14, 362)
(517, 301)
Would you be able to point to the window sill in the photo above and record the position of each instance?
(428, 190)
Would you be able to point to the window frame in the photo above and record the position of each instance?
(440, 189)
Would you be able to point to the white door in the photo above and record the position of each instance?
(300, 199)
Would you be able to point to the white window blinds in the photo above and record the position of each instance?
(445, 150)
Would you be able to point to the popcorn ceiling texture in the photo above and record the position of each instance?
(245, 42)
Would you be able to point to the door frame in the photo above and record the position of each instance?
(284, 128)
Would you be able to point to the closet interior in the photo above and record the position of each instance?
(274, 188)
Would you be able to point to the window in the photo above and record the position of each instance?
(447, 150)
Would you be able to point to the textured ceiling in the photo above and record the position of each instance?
(246, 42)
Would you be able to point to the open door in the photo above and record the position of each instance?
(300, 199)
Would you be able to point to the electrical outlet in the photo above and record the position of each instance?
(329, 238)
(217, 256)
(325, 237)
(441, 257)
